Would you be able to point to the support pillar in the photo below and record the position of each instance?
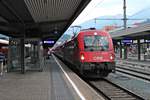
(9, 56)
(120, 49)
(125, 51)
(39, 56)
(139, 49)
(22, 55)
(34, 53)
(147, 45)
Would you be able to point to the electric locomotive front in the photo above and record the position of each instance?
(96, 52)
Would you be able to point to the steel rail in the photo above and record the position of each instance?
(112, 91)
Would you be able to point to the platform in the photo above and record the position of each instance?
(132, 61)
(51, 84)
(46, 85)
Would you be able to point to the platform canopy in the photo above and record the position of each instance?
(38, 18)
(139, 32)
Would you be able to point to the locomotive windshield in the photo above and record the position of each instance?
(96, 43)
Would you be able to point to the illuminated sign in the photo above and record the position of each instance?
(49, 42)
(127, 41)
(147, 41)
(142, 41)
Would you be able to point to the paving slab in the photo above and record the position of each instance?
(34, 85)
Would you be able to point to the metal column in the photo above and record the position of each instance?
(139, 49)
(22, 55)
(125, 51)
(147, 45)
(9, 56)
(40, 56)
(124, 13)
(120, 49)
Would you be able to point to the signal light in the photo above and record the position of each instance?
(82, 57)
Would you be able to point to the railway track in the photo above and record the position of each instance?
(112, 91)
(134, 73)
(133, 70)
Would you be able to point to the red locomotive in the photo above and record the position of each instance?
(91, 51)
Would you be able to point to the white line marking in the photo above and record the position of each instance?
(73, 84)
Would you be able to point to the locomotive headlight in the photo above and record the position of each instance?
(82, 57)
(111, 57)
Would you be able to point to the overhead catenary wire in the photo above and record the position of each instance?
(124, 18)
(140, 11)
(117, 19)
(93, 8)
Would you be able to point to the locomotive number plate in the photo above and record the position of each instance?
(97, 58)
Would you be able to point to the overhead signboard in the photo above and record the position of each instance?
(147, 41)
(49, 42)
(127, 41)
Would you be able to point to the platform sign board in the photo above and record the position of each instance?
(142, 41)
(127, 41)
(134, 41)
(49, 41)
(147, 41)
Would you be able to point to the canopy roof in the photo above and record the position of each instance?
(38, 18)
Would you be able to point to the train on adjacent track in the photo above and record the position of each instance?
(4, 46)
(91, 52)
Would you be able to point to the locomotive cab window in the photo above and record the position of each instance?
(96, 43)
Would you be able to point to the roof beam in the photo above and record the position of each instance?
(7, 27)
(79, 9)
(4, 18)
(11, 10)
(31, 25)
